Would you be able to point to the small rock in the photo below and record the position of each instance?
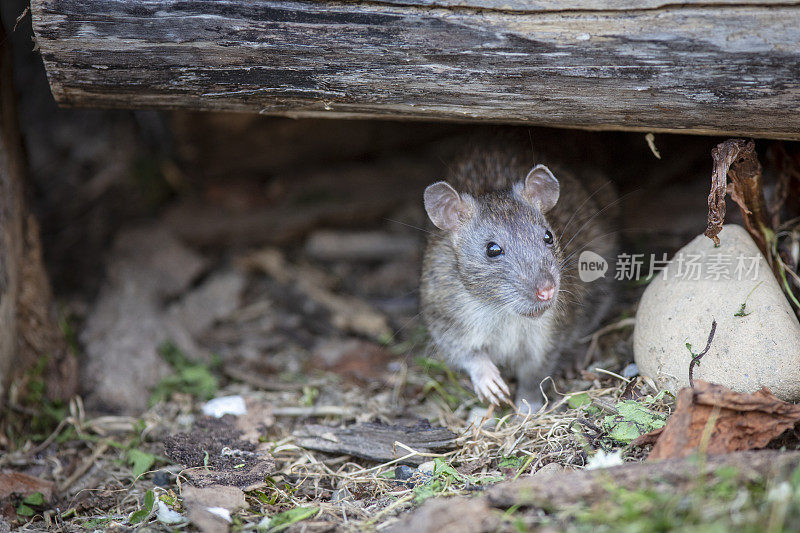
(209, 508)
(427, 468)
(161, 479)
(167, 516)
(760, 349)
(549, 470)
(225, 405)
(630, 371)
(403, 472)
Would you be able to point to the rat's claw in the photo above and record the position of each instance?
(488, 384)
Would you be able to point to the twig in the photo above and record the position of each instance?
(696, 358)
(322, 410)
(610, 373)
(84, 467)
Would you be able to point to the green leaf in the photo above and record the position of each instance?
(283, 520)
(139, 516)
(633, 420)
(142, 514)
(24, 510)
(190, 377)
(441, 467)
(622, 431)
(511, 462)
(34, 499)
(579, 400)
(635, 412)
(140, 461)
(149, 500)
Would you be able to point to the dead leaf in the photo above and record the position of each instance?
(737, 159)
(209, 508)
(743, 421)
(23, 485)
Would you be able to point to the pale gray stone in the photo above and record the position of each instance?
(761, 349)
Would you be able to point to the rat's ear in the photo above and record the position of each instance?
(541, 188)
(444, 206)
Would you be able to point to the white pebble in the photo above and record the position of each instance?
(168, 516)
(220, 512)
(225, 405)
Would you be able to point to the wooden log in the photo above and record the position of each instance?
(29, 331)
(11, 233)
(585, 488)
(693, 66)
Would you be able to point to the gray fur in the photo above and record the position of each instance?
(483, 312)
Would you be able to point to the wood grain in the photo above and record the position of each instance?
(376, 441)
(697, 67)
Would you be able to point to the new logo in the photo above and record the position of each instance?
(591, 266)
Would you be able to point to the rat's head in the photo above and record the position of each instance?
(506, 252)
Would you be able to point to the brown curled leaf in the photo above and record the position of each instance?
(723, 155)
(737, 159)
(739, 421)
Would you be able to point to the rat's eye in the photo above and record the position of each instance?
(493, 249)
(548, 237)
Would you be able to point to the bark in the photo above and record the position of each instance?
(698, 67)
(29, 329)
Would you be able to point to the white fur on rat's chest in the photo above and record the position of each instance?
(506, 337)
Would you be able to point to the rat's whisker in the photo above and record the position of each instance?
(409, 226)
(564, 229)
(598, 213)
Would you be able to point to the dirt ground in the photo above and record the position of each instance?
(203, 256)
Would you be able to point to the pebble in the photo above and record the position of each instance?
(427, 468)
(630, 371)
(225, 405)
(403, 472)
(161, 479)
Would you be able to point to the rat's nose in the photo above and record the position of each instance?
(545, 292)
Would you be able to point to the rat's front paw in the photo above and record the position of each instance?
(488, 384)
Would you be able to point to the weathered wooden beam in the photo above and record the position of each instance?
(29, 331)
(692, 66)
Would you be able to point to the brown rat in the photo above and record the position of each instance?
(500, 285)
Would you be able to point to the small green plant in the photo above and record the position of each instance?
(189, 377)
(576, 401)
(140, 461)
(446, 479)
(283, 520)
(443, 382)
(310, 395)
(741, 311)
(26, 508)
(144, 513)
(633, 419)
